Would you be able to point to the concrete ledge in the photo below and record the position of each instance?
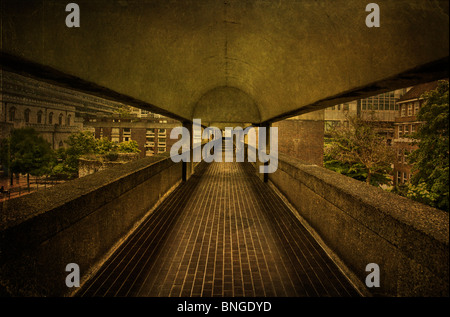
(76, 222)
(363, 224)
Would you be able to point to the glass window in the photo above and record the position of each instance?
(12, 114)
(50, 118)
(410, 109)
(60, 119)
(399, 177)
(39, 116)
(416, 107)
(27, 115)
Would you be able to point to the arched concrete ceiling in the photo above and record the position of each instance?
(226, 104)
(280, 58)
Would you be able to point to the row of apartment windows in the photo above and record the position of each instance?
(405, 130)
(409, 109)
(39, 116)
(150, 139)
(385, 101)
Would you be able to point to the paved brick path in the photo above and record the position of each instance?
(222, 233)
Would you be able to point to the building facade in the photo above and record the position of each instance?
(406, 124)
(151, 132)
(54, 112)
(380, 108)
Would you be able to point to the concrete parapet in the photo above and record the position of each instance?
(363, 224)
(80, 222)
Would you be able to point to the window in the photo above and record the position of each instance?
(12, 114)
(416, 107)
(399, 177)
(39, 116)
(346, 107)
(27, 115)
(405, 177)
(61, 144)
(400, 155)
(69, 118)
(405, 156)
(410, 108)
(400, 131)
(50, 118)
(403, 110)
(406, 129)
(60, 119)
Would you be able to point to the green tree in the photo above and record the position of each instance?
(104, 145)
(358, 151)
(79, 144)
(430, 181)
(83, 144)
(128, 147)
(29, 153)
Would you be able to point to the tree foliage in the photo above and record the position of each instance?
(25, 152)
(84, 144)
(359, 151)
(431, 159)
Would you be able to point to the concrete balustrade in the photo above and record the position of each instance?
(363, 224)
(80, 222)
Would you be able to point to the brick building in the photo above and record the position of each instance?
(406, 124)
(151, 132)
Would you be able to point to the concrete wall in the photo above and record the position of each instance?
(76, 222)
(362, 224)
(301, 137)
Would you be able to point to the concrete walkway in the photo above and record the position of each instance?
(222, 233)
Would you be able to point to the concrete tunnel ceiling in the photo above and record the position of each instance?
(228, 61)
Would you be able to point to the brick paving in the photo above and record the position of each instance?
(222, 233)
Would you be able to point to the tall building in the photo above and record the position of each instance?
(406, 123)
(54, 112)
(151, 132)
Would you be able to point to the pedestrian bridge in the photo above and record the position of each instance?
(155, 227)
(141, 230)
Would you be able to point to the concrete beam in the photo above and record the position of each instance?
(288, 57)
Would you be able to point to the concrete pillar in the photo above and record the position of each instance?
(263, 176)
(188, 167)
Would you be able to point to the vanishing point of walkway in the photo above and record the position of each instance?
(222, 233)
